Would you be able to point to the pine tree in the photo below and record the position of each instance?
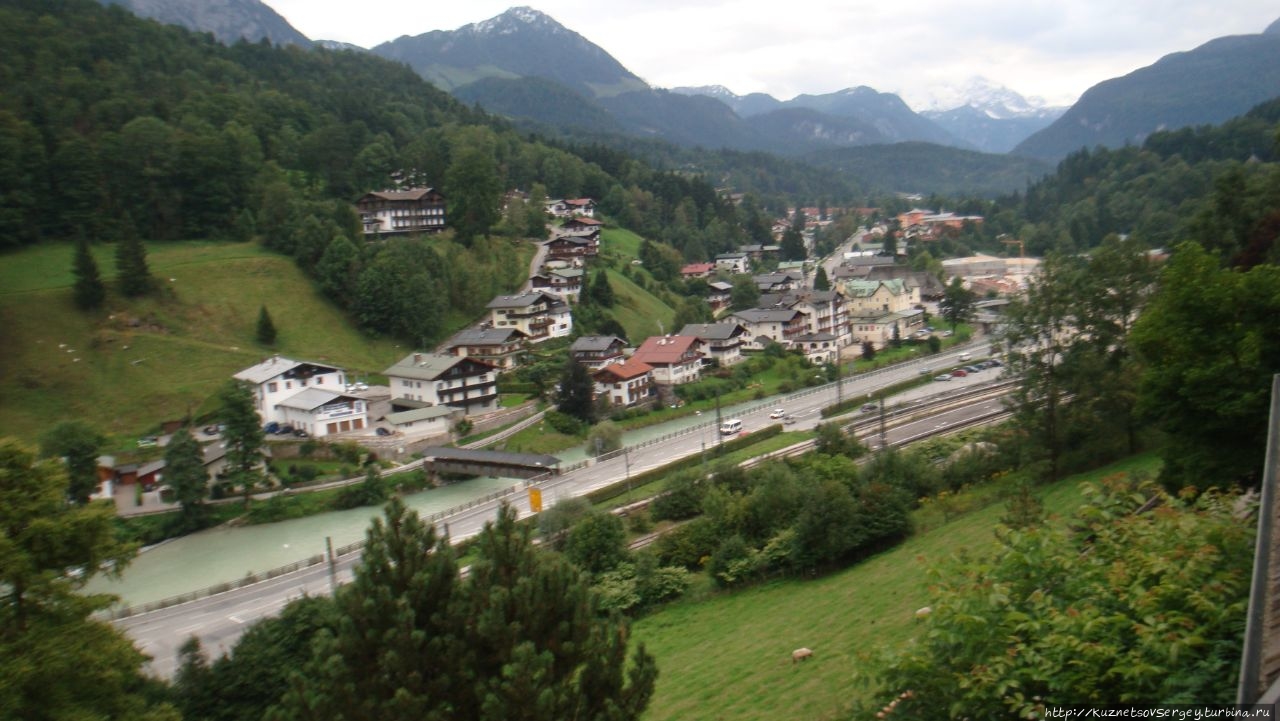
(243, 435)
(266, 329)
(576, 390)
(184, 472)
(89, 291)
(820, 279)
(132, 271)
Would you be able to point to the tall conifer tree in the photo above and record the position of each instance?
(89, 292)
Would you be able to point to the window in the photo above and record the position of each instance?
(288, 385)
(272, 387)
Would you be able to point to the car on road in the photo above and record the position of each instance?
(943, 377)
(788, 419)
(925, 371)
(777, 413)
(731, 427)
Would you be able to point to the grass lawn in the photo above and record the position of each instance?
(640, 312)
(136, 363)
(728, 656)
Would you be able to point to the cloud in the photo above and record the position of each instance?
(1044, 48)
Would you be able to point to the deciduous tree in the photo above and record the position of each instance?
(185, 474)
(77, 444)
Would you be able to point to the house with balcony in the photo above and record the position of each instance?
(573, 249)
(321, 412)
(827, 310)
(277, 380)
(436, 379)
(721, 342)
(563, 282)
(420, 210)
(778, 282)
(537, 314)
(502, 348)
(570, 207)
(719, 295)
(698, 270)
(579, 225)
(675, 359)
(818, 348)
(625, 384)
(771, 325)
(876, 308)
(597, 351)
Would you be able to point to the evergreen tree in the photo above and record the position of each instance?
(89, 291)
(132, 272)
(185, 474)
(957, 303)
(576, 391)
(266, 333)
(243, 435)
(56, 661)
(820, 279)
(77, 443)
(601, 291)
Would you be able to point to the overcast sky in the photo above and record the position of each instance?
(1053, 49)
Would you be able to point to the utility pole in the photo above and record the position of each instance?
(718, 421)
(883, 442)
(333, 565)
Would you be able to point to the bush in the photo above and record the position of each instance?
(682, 497)
(563, 423)
(690, 545)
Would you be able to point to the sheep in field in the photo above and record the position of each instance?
(923, 613)
(801, 654)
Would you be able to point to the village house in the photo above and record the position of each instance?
(757, 252)
(719, 295)
(570, 207)
(425, 422)
(771, 325)
(437, 379)
(626, 384)
(502, 348)
(537, 314)
(675, 359)
(778, 282)
(574, 249)
(876, 308)
(826, 311)
(698, 270)
(736, 263)
(722, 342)
(304, 395)
(563, 282)
(420, 210)
(597, 351)
(818, 348)
(579, 225)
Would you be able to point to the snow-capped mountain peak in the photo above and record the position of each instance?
(514, 20)
(994, 101)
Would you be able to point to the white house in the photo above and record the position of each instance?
(733, 262)
(278, 384)
(424, 422)
(402, 211)
(625, 384)
(675, 359)
(538, 314)
(445, 380)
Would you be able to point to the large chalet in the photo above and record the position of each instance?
(420, 210)
(422, 380)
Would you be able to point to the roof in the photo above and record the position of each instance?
(310, 399)
(413, 194)
(420, 414)
(596, 343)
(523, 300)
(767, 315)
(624, 371)
(698, 268)
(572, 239)
(276, 366)
(868, 288)
(427, 366)
(666, 349)
(485, 336)
(569, 273)
(731, 256)
(721, 286)
(713, 331)
(583, 221)
(579, 201)
(466, 454)
(814, 337)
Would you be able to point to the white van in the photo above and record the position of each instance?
(731, 427)
(965, 356)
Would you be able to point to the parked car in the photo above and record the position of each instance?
(959, 373)
(148, 441)
(382, 431)
(212, 430)
(777, 413)
(300, 433)
(869, 408)
(973, 369)
(943, 377)
(271, 428)
(994, 363)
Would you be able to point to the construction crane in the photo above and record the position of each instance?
(1021, 246)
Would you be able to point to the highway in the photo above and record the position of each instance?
(220, 619)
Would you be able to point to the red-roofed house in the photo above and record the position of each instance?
(698, 270)
(581, 225)
(675, 359)
(625, 384)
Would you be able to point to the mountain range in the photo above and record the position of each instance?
(524, 65)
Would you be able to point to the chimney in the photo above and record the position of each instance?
(417, 357)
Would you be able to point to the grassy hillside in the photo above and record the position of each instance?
(640, 312)
(137, 363)
(729, 656)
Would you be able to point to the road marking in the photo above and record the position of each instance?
(236, 619)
